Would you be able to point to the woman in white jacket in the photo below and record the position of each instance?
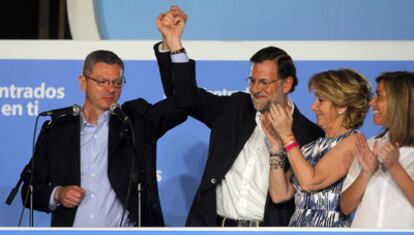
(379, 186)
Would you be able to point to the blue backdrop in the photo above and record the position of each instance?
(181, 152)
(34, 83)
(263, 19)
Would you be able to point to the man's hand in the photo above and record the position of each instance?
(70, 196)
(171, 25)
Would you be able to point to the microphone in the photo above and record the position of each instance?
(117, 111)
(73, 110)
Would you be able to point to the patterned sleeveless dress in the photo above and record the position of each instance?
(319, 208)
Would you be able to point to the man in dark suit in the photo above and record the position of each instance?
(234, 186)
(87, 168)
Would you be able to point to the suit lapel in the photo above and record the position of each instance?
(246, 129)
(71, 129)
(117, 132)
(298, 129)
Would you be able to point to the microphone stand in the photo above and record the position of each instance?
(28, 172)
(138, 176)
(134, 177)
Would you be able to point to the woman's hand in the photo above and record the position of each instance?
(271, 134)
(281, 121)
(389, 154)
(366, 158)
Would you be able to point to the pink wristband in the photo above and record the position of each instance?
(291, 146)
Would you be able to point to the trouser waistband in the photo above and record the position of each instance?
(227, 222)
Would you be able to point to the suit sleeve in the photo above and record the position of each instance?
(177, 79)
(42, 187)
(179, 85)
(165, 69)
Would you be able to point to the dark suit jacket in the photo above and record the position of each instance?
(232, 121)
(57, 158)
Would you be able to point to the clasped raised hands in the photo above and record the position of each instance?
(171, 26)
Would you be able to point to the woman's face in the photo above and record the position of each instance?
(379, 105)
(328, 116)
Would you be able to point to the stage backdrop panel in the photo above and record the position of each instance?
(42, 75)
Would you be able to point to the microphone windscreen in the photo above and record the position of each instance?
(76, 110)
(113, 108)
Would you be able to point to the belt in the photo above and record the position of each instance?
(227, 222)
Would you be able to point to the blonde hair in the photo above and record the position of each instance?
(344, 88)
(399, 92)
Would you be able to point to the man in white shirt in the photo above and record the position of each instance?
(234, 187)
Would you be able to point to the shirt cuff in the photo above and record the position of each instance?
(180, 58)
(52, 204)
(177, 58)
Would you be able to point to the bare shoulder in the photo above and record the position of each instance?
(350, 140)
(347, 144)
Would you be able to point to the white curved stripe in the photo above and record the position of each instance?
(82, 20)
(212, 50)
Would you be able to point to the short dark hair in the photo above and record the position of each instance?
(101, 56)
(286, 67)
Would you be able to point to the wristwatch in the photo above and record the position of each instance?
(179, 51)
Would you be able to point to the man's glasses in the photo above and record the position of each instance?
(118, 83)
(261, 82)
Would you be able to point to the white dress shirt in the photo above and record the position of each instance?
(383, 204)
(243, 191)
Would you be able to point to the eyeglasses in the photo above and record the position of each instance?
(261, 82)
(118, 83)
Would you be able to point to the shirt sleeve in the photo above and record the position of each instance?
(52, 204)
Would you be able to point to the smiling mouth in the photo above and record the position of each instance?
(110, 99)
(259, 96)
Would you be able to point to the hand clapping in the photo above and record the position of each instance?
(281, 122)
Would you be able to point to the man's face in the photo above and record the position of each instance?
(100, 97)
(265, 87)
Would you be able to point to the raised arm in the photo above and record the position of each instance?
(173, 62)
(208, 107)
